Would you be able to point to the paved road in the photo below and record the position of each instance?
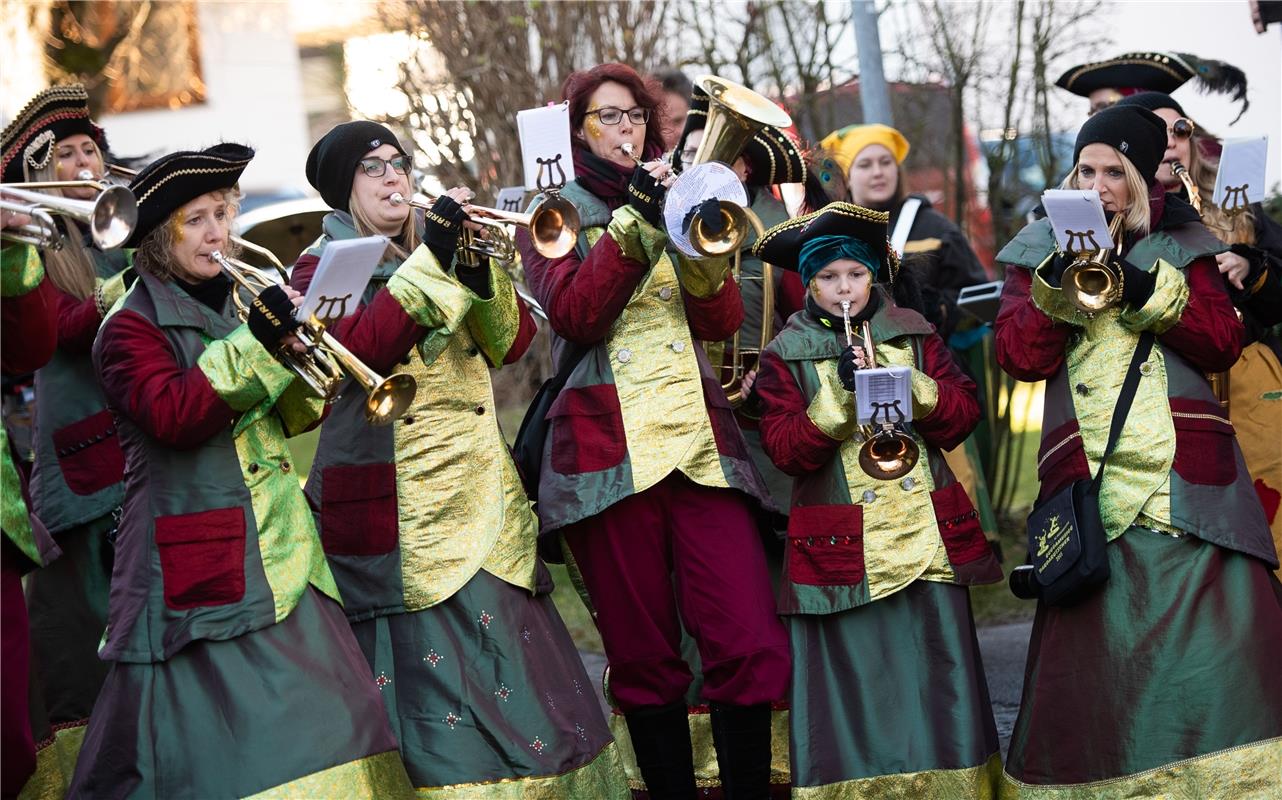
(1004, 648)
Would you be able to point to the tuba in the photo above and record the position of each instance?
(553, 226)
(888, 452)
(323, 366)
(1090, 283)
(740, 353)
(111, 216)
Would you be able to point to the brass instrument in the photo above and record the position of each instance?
(1195, 195)
(323, 366)
(553, 226)
(1090, 283)
(888, 452)
(739, 354)
(111, 216)
(735, 115)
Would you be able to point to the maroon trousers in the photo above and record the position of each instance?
(16, 741)
(704, 541)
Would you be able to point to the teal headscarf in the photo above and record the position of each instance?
(821, 251)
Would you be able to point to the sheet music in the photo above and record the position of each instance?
(1240, 180)
(695, 185)
(545, 143)
(1077, 216)
(341, 276)
(511, 198)
(884, 391)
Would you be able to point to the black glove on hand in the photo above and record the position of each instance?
(443, 224)
(1055, 272)
(710, 212)
(1137, 285)
(645, 194)
(271, 317)
(846, 368)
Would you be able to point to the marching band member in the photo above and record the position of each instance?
(1163, 680)
(875, 572)
(28, 337)
(425, 522)
(77, 482)
(646, 480)
(1252, 267)
(1105, 82)
(233, 670)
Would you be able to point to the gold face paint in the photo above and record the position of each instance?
(176, 224)
(592, 124)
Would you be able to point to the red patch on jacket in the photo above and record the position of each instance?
(1204, 443)
(959, 526)
(587, 430)
(358, 510)
(89, 453)
(825, 545)
(202, 557)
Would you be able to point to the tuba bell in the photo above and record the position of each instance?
(888, 452)
(1090, 283)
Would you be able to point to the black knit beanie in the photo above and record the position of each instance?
(1152, 101)
(1135, 132)
(331, 165)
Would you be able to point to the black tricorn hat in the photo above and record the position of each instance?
(1157, 72)
(772, 154)
(170, 182)
(50, 116)
(781, 245)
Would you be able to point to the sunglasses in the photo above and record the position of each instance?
(376, 167)
(613, 116)
(1181, 129)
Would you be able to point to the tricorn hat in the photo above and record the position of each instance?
(782, 244)
(1130, 73)
(170, 182)
(51, 116)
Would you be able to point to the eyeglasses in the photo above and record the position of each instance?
(1181, 128)
(376, 167)
(609, 115)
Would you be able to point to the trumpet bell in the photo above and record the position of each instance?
(734, 229)
(1091, 286)
(390, 399)
(114, 216)
(554, 227)
(888, 454)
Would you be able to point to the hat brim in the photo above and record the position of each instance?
(781, 245)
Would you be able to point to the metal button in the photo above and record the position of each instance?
(1082, 389)
(869, 495)
(678, 346)
(480, 410)
(908, 483)
(624, 356)
(284, 466)
(665, 293)
(406, 360)
(407, 420)
(253, 467)
(1146, 368)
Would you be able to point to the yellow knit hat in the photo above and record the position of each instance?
(845, 144)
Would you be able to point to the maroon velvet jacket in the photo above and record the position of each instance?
(29, 334)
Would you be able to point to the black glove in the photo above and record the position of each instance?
(710, 212)
(271, 317)
(443, 223)
(1137, 285)
(1055, 271)
(846, 368)
(645, 194)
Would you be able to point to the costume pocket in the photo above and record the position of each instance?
(725, 427)
(1204, 444)
(202, 557)
(825, 545)
(1061, 459)
(358, 509)
(959, 526)
(89, 453)
(587, 430)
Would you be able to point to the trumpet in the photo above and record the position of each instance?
(1090, 283)
(327, 363)
(888, 452)
(553, 226)
(111, 216)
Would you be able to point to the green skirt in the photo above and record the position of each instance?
(488, 698)
(286, 711)
(890, 700)
(1166, 682)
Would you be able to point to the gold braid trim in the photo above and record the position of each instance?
(1150, 61)
(232, 166)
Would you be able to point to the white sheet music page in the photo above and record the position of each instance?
(884, 394)
(696, 184)
(511, 198)
(1240, 180)
(545, 145)
(341, 276)
(1077, 217)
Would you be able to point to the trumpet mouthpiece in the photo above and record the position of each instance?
(396, 198)
(628, 149)
(84, 175)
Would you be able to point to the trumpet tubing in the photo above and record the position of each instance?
(553, 226)
(111, 216)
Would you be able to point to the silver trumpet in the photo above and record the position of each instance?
(111, 216)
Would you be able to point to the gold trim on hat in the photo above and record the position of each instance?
(193, 171)
(1150, 60)
(23, 119)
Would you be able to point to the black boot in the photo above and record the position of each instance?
(661, 739)
(741, 735)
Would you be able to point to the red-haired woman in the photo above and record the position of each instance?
(645, 480)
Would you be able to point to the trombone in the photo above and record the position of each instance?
(553, 226)
(111, 216)
(323, 366)
(888, 452)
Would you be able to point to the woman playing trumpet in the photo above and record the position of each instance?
(77, 481)
(425, 521)
(1163, 681)
(233, 670)
(875, 571)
